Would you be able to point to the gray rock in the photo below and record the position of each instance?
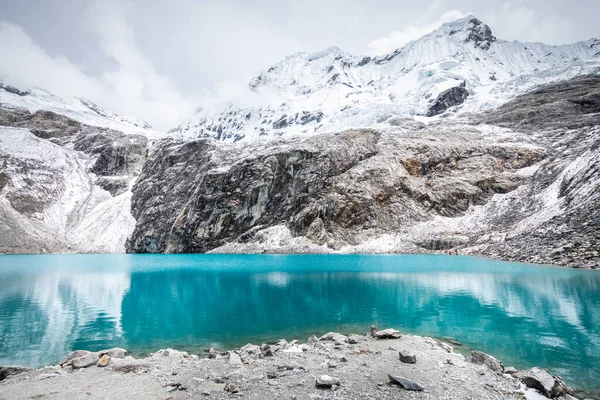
(539, 379)
(234, 359)
(388, 334)
(510, 370)
(480, 358)
(85, 361)
(408, 357)
(231, 388)
(334, 336)
(212, 353)
(114, 352)
(8, 370)
(72, 355)
(251, 348)
(326, 382)
(405, 383)
(354, 339)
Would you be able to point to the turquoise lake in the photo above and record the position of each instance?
(523, 314)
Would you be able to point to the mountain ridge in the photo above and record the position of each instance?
(309, 93)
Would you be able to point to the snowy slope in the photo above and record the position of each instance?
(83, 111)
(50, 194)
(332, 90)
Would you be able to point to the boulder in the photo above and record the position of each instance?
(408, 357)
(334, 336)
(235, 360)
(72, 355)
(480, 358)
(8, 370)
(85, 361)
(251, 348)
(326, 382)
(405, 383)
(540, 380)
(388, 334)
(116, 352)
(103, 361)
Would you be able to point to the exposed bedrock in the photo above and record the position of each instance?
(195, 196)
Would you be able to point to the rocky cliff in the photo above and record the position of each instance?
(519, 182)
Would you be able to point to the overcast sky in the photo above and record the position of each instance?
(160, 59)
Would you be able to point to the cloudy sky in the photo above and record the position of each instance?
(160, 59)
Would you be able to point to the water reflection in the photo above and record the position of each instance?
(524, 315)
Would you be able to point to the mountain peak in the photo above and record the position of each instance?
(471, 30)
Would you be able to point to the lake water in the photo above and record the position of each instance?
(525, 315)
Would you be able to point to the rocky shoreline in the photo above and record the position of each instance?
(381, 365)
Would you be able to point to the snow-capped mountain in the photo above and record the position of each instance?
(457, 140)
(80, 110)
(333, 90)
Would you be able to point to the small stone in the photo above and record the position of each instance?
(405, 383)
(326, 382)
(103, 361)
(343, 359)
(373, 330)
(408, 357)
(212, 353)
(331, 365)
(354, 339)
(510, 370)
(85, 361)
(231, 388)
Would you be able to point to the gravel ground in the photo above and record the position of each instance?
(284, 371)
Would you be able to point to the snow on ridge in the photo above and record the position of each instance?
(83, 111)
(313, 93)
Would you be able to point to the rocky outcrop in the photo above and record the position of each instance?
(448, 98)
(196, 196)
(43, 124)
(479, 34)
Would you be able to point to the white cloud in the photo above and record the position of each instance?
(519, 22)
(133, 87)
(398, 39)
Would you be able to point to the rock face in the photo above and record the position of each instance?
(196, 196)
(448, 98)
